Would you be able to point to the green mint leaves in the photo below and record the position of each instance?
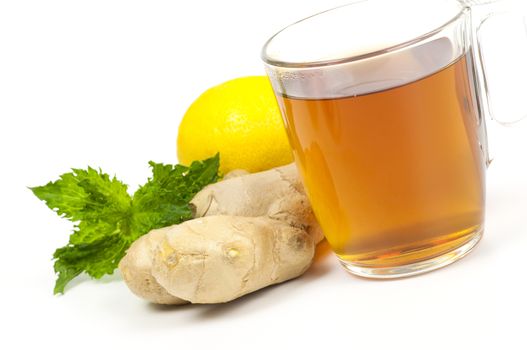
(107, 219)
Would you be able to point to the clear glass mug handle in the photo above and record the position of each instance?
(499, 32)
(500, 44)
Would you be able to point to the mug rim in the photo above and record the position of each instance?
(322, 63)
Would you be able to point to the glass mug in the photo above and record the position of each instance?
(384, 105)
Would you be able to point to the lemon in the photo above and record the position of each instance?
(241, 120)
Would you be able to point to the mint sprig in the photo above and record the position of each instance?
(107, 219)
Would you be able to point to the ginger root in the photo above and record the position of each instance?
(277, 193)
(136, 269)
(217, 259)
(249, 232)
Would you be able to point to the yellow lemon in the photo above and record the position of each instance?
(241, 120)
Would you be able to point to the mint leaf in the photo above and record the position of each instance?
(82, 194)
(100, 207)
(107, 219)
(96, 258)
(97, 202)
(164, 199)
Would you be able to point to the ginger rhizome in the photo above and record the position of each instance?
(249, 231)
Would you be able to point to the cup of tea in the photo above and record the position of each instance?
(384, 103)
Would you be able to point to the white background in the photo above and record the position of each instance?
(105, 83)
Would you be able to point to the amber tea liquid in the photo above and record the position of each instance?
(395, 177)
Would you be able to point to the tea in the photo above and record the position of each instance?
(394, 176)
